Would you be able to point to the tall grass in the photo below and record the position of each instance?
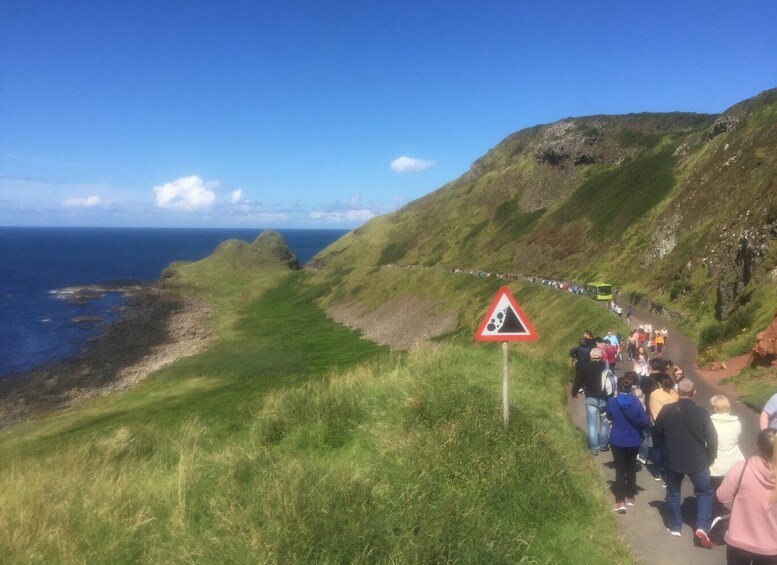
(340, 454)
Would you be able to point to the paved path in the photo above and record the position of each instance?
(643, 526)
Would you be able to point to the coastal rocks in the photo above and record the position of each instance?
(86, 319)
(764, 352)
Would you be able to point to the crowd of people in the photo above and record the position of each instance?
(650, 421)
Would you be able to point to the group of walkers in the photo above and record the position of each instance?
(649, 420)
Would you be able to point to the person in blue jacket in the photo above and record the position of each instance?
(628, 419)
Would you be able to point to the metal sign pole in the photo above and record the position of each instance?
(505, 386)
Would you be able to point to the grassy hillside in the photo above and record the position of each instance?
(292, 440)
(680, 208)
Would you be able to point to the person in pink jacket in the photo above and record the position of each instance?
(749, 486)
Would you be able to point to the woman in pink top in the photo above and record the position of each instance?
(749, 486)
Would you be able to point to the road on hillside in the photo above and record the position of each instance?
(642, 527)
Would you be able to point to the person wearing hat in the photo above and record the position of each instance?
(589, 379)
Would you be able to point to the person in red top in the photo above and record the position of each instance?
(609, 354)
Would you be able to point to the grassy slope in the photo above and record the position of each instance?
(292, 440)
(658, 178)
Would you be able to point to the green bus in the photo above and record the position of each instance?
(599, 290)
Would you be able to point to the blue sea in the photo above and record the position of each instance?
(37, 327)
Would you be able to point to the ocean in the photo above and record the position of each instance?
(37, 327)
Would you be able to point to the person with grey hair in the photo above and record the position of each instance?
(691, 446)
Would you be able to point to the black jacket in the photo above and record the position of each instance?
(589, 378)
(685, 426)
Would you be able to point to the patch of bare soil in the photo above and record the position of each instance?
(402, 323)
(156, 329)
(715, 373)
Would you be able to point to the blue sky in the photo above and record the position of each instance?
(324, 113)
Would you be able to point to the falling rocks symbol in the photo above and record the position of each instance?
(506, 322)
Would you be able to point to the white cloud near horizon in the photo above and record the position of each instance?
(236, 196)
(88, 202)
(344, 216)
(406, 164)
(190, 194)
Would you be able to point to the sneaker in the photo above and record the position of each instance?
(605, 448)
(704, 539)
(630, 501)
(594, 453)
(641, 461)
(657, 477)
(663, 484)
(716, 520)
(619, 507)
(675, 534)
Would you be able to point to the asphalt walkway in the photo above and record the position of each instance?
(643, 526)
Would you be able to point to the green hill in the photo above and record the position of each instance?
(680, 208)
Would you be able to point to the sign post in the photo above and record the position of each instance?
(505, 321)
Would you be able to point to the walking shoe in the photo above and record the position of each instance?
(656, 477)
(619, 507)
(703, 539)
(605, 448)
(716, 520)
(676, 534)
(630, 501)
(641, 461)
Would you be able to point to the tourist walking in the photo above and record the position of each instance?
(750, 488)
(589, 379)
(628, 419)
(691, 445)
(660, 397)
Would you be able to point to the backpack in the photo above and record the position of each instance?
(608, 383)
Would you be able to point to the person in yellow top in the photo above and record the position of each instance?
(664, 394)
(659, 343)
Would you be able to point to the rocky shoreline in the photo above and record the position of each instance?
(155, 329)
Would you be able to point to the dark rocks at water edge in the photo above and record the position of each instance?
(82, 295)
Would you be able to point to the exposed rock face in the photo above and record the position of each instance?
(722, 125)
(734, 259)
(575, 149)
(765, 348)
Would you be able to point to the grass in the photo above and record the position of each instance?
(294, 441)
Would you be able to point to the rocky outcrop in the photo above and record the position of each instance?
(765, 349)
(575, 149)
(734, 259)
(722, 125)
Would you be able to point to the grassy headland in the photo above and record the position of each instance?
(292, 440)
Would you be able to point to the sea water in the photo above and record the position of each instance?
(37, 326)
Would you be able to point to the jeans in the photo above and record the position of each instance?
(704, 495)
(597, 426)
(644, 445)
(657, 456)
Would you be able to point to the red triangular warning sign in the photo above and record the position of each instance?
(505, 321)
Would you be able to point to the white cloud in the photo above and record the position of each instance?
(346, 216)
(236, 196)
(88, 202)
(409, 165)
(190, 194)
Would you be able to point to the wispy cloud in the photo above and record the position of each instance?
(236, 196)
(409, 165)
(190, 194)
(88, 202)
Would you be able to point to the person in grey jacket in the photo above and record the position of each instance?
(691, 446)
